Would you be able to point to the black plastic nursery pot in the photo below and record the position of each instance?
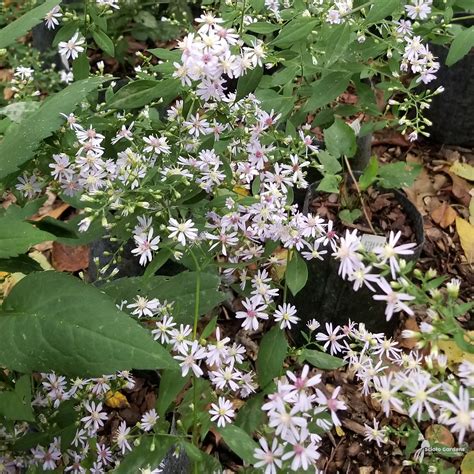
(452, 111)
(329, 299)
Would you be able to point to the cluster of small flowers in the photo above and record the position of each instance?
(90, 395)
(412, 383)
(338, 11)
(207, 57)
(417, 57)
(22, 83)
(297, 413)
(223, 364)
(223, 361)
(90, 172)
(352, 267)
(52, 18)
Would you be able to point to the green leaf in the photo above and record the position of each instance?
(369, 175)
(321, 360)
(262, 27)
(381, 9)
(66, 32)
(23, 24)
(159, 259)
(248, 83)
(81, 67)
(326, 89)
(16, 405)
(52, 321)
(171, 383)
(149, 454)
(17, 236)
(296, 274)
(181, 289)
(330, 183)
(270, 99)
(271, 355)
(331, 165)
(294, 31)
(349, 217)
(398, 175)
(251, 415)
(337, 44)
(167, 54)
(340, 139)
(21, 140)
(142, 92)
(239, 442)
(103, 42)
(463, 43)
(22, 263)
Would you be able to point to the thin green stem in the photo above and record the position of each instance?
(195, 324)
(285, 288)
(244, 6)
(460, 18)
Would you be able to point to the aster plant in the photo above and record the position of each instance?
(195, 164)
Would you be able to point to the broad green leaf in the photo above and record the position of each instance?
(148, 454)
(81, 67)
(22, 263)
(381, 9)
(17, 236)
(262, 27)
(251, 415)
(340, 139)
(104, 42)
(16, 404)
(248, 83)
(398, 175)
(271, 100)
(294, 31)
(167, 54)
(52, 321)
(326, 89)
(24, 24)
(321, 360)
(331, 165)
(159, 259)
(369, 175)
(348, 216)
(21, 140)
(461, 45)
(180, 289)
(142, 92)
(271, 355)
(239, 442)
(338, 42)
(171, 383)
(330, 183)
(66, 32)
(296, 274)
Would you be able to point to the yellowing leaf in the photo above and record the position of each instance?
(241, 191)
(278, 270)
(116, 400)
(467, 465)
(439, 434)
(340, 431)
(471, 211)
(444, 215)
(466, 235)
(41, 259)
(454, 353)
(464, 170)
